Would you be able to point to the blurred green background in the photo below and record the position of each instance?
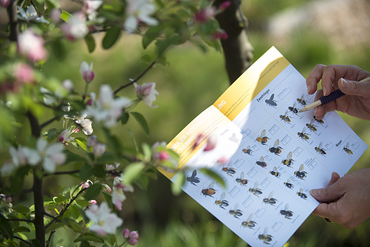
(191, 82)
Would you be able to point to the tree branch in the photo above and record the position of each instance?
(62, 173)
(24, 241)
(13, 23)
(64, 209)
(49, 121)
(138, 78)
(50, 238)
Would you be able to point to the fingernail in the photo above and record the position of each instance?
(344, 83)
(308, 89)
(324, 91)
(314, 111)
(315, 193)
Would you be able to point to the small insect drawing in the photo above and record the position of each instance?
(320, 150)
(229, 170)
(209, 191)
(293, 109)
(311, 126)
(289, 184)
(288, 161)
(270, 200)
(248, 150)
(261, 162)
(271, 101)
(346, 148)
(276, 149)
(303, 135)
(249, 222)
(286, 212)
(241, 180)
(301, 194)
(285, 117)
(266, 238)
(193, 179)
(318, 120)
(275, 173)
(236, 212)
(302, 101)
(300, 173)
(262, 138)
(255, 190)
(233, 138)
(222, 203)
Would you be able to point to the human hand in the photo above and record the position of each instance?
(346, 200)
(356, 102)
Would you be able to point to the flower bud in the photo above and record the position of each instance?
(225, 5)
(126, 233)
(91, 141)
(203, 15)
(86, 71)
(5, 3)
(99, 149)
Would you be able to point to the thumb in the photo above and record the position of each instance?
(330, 193)
(354, 87)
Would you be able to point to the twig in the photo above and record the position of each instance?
(23, 220)
(141, 75)
(24, 241)
(64, 209)
(50, 238)
(13, 23)
(62, 173)
(51, 216)
(49, 121)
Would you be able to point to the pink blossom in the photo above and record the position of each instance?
(75, 28)
(221, 34)
(223, 160)
(86, 71)
(90, 7)
(5, 3)
(106, 188)
(211, 143)
(118, 197)
(31, 46)
(99, 149)
(134, 237)
(164, 155)
(91, 141)
(86, 184)
(24, 73)
(68, 84)
(146, 92)
(225, 5)
(126, 233)
(55, 15)
(65, 136)
(205, 14)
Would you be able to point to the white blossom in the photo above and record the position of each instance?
(146, 92)
(30, 15)
(139, 11)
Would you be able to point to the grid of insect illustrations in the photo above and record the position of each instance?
(281, 154)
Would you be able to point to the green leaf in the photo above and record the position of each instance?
(81, 144)
(90, 42)
(88, 237)
(152, 172)
(112, 239)
(93, 191)
(51, 133)
(35, 243)
(147, 150)
(132, 171)
(5, 228)
(178, 183)
(65, 16)
(124, 118)
(82, 203)
(214, 175)
(108, 199)
(151, 34)
(99, 170)
(72, 157)
(58, 49)
(86, 172)
(162, 45)
(85, 243)
(74, 225)
(17, 179)
(111, 37)
(144, 181)
(21, 209)
(21, 229)
(140, 118)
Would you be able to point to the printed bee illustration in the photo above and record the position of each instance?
(300, 173)
(255, 190)
(193, 179)
(222, 202)
(271, 101)
(236, 212)
(318, 120)
(320, 150)
(301, 194)
(241, 180)
(262, 138)
(248, 150)
(209, 191)
(261, 162)
(229, 170)
(249, 222)
(270, 200)
(293, 109)
(301, 100)
(311, 126)
(346, 148)
(303, 135)
(285, 117)
(276, 149)
(288, 161)
(266, 238)
(275, 173)
(286, 212)
(289, 184)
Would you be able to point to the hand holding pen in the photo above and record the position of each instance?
(350, 81)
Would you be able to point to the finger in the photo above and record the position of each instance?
(314, 77)
(354, 87)
(334, 178)
(331, 193)
(328, 210)
(328, 78)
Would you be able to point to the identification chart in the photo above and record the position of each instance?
(269, 154)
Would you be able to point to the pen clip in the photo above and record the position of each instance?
(333, 96)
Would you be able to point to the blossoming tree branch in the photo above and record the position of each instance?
(34, 33)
